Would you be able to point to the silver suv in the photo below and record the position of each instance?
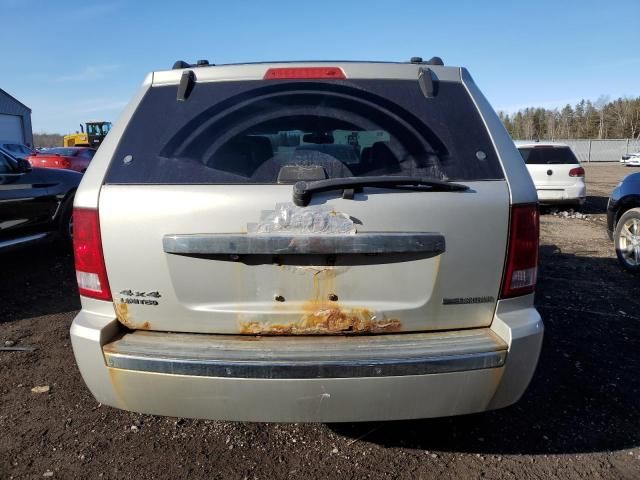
(309, 241)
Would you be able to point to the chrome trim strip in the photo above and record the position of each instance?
(281, 244)
(21, 240)
(309, 369)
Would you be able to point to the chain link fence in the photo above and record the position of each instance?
(602, 150)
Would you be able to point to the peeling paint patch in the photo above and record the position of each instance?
(289, 218)
(313, 269)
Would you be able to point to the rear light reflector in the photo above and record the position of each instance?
(91, 273)
(576, 172)
(522, 255)
(293, 73)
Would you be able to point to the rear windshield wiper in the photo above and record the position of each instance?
(303, 191)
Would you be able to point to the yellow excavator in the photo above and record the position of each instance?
(92, 137)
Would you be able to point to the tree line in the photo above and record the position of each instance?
(47, 140)
(602, 119)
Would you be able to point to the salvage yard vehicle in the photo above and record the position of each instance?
(95, 134)
(631, 159)
(35, 203)
(623, 221)
(307, 242)
(70, 158)
(556, 172)
(17, 150)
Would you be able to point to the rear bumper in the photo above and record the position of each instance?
(281, 379)
(325, 357)
(572, 194)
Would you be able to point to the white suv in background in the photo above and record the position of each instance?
(556, 172)
(631, 159)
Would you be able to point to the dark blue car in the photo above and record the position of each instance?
(623, 221)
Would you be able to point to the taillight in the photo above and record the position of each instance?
(91, 273)
(522, 255)
(305, 72)
(576, 172)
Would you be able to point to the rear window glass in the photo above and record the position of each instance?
(6, 164)
(548, 155)
(17, 148)
(253, 131)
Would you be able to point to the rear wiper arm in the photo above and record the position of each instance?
(303, 191)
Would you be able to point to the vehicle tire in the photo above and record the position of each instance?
(65, 224)
(627, 240)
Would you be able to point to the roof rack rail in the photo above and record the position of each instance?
(431, 61)
(180, 64)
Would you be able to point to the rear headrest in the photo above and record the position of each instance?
(261, 147)
(242, 155)
(365, 155)
(381, 159)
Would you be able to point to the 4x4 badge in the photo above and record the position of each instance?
(135, 293)
(136, 297)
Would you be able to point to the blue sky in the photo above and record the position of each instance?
(72, 61)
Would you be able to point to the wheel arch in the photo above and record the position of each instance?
(625, 204)
(68, 197)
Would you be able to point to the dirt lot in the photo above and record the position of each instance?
(579, 418)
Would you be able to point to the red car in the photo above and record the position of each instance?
(70, 158)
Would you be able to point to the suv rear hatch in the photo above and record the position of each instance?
(201, 234)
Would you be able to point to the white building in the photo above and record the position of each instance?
(15, 120)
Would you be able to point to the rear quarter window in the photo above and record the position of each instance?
(247, 131)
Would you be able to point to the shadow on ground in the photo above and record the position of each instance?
(37, 281)
(585, 395)
(595, 204)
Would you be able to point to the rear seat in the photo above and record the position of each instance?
(243, 155)
(378, 160)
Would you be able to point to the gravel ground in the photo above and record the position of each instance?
(579, 418)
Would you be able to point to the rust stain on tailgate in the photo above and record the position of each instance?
(326, 321)
(122, 313)
(321, 316)
(124, 317)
